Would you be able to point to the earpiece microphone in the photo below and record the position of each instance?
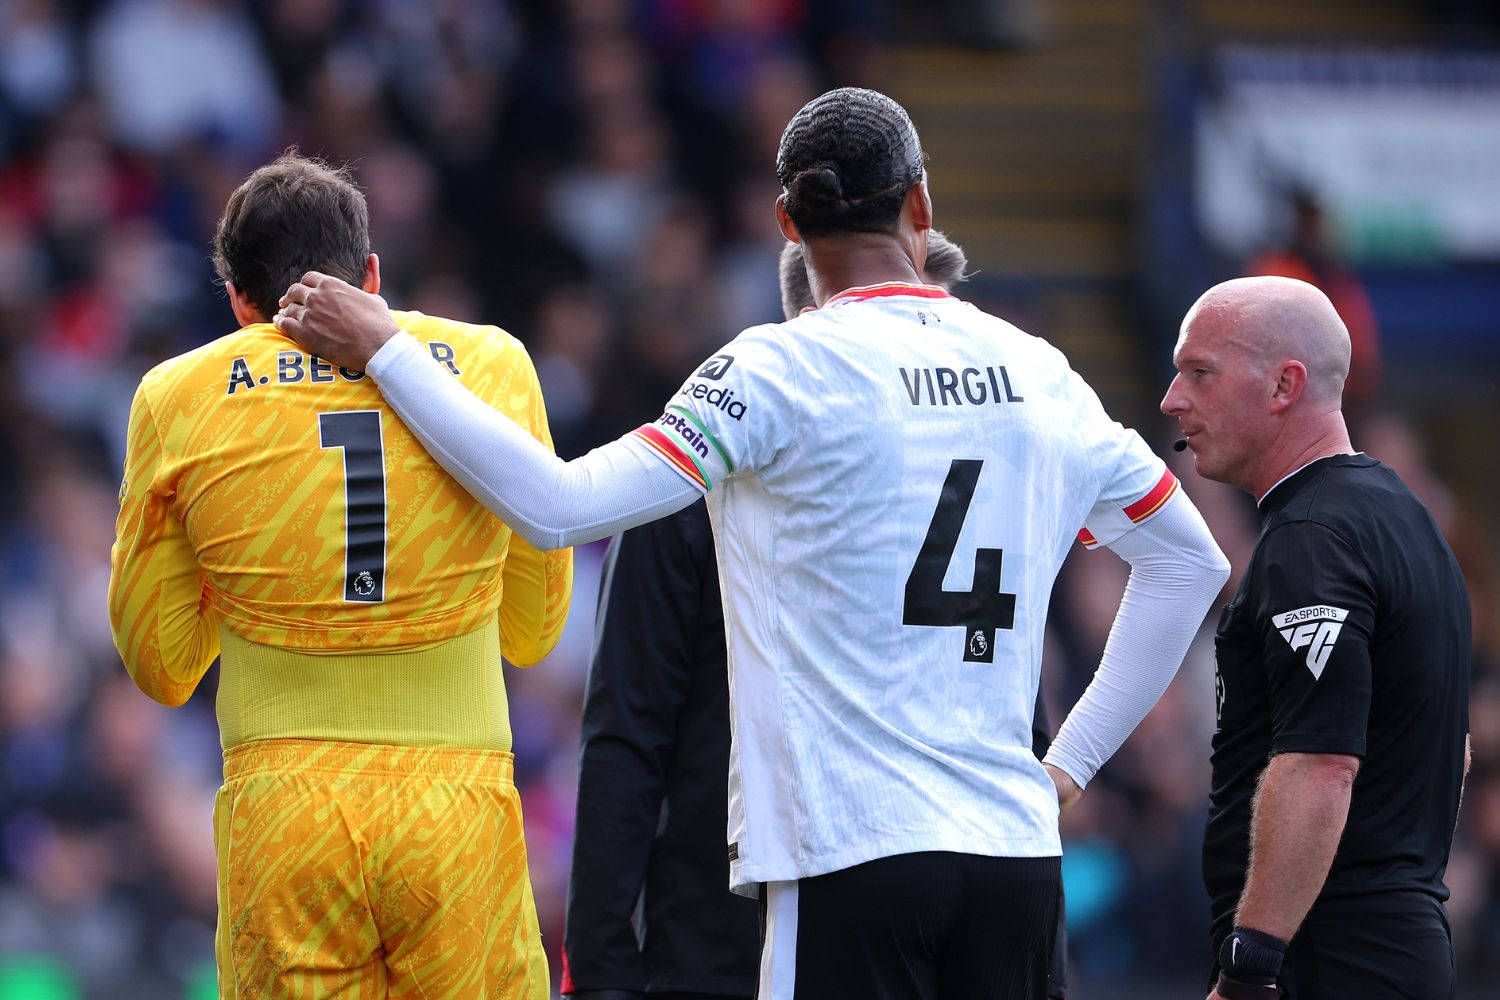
(1180, 444)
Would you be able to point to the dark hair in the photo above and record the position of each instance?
(946, 263)
(292, 216)
(846, 161)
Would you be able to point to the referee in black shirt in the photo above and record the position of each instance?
(1343, 672)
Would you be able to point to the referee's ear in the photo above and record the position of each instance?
(1291, 383)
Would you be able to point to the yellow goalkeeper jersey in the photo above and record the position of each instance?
(275, 509)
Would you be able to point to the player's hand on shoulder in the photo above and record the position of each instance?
(334, 320)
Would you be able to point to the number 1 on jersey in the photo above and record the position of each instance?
(983, 608)
(358, 433)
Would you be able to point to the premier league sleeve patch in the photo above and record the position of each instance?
(1314, 629)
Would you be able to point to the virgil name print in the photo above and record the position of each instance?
(957, 386)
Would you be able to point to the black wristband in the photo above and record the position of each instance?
(1252, 957)
(1233, 989)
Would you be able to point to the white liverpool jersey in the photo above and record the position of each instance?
(894, 482)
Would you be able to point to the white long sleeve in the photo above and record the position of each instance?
(1176, 570)
(550, 503)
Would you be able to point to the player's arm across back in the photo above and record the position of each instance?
(1176, 570)
(549, 502)
(161, 625)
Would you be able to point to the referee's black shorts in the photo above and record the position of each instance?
(927, 926)
(1384, 946)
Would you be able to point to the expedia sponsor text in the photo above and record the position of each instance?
(719, 396)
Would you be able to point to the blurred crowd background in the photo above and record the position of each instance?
(596, 176)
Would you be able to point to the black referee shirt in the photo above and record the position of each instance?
(1349, 634)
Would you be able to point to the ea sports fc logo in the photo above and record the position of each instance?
(716, 366)
(1315, 629)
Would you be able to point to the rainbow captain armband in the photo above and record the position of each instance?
(1142, 508)
(684, 443)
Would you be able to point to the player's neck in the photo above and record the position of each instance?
(835, 264)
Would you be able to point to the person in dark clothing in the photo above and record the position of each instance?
(1343, 671)
(649, 908)
(652, 783)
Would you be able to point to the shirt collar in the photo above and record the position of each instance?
(1261, 503)
(885, 289)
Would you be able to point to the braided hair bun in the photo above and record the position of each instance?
(846, 161)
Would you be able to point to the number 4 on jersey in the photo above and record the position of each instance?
(980, 610)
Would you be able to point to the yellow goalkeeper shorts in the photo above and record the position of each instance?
(365, 872)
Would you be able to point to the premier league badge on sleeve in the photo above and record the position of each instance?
(1315, 629)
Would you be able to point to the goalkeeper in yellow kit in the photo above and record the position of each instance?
(276, 514)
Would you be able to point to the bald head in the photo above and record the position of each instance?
(1271, 320)
(1261, 365)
